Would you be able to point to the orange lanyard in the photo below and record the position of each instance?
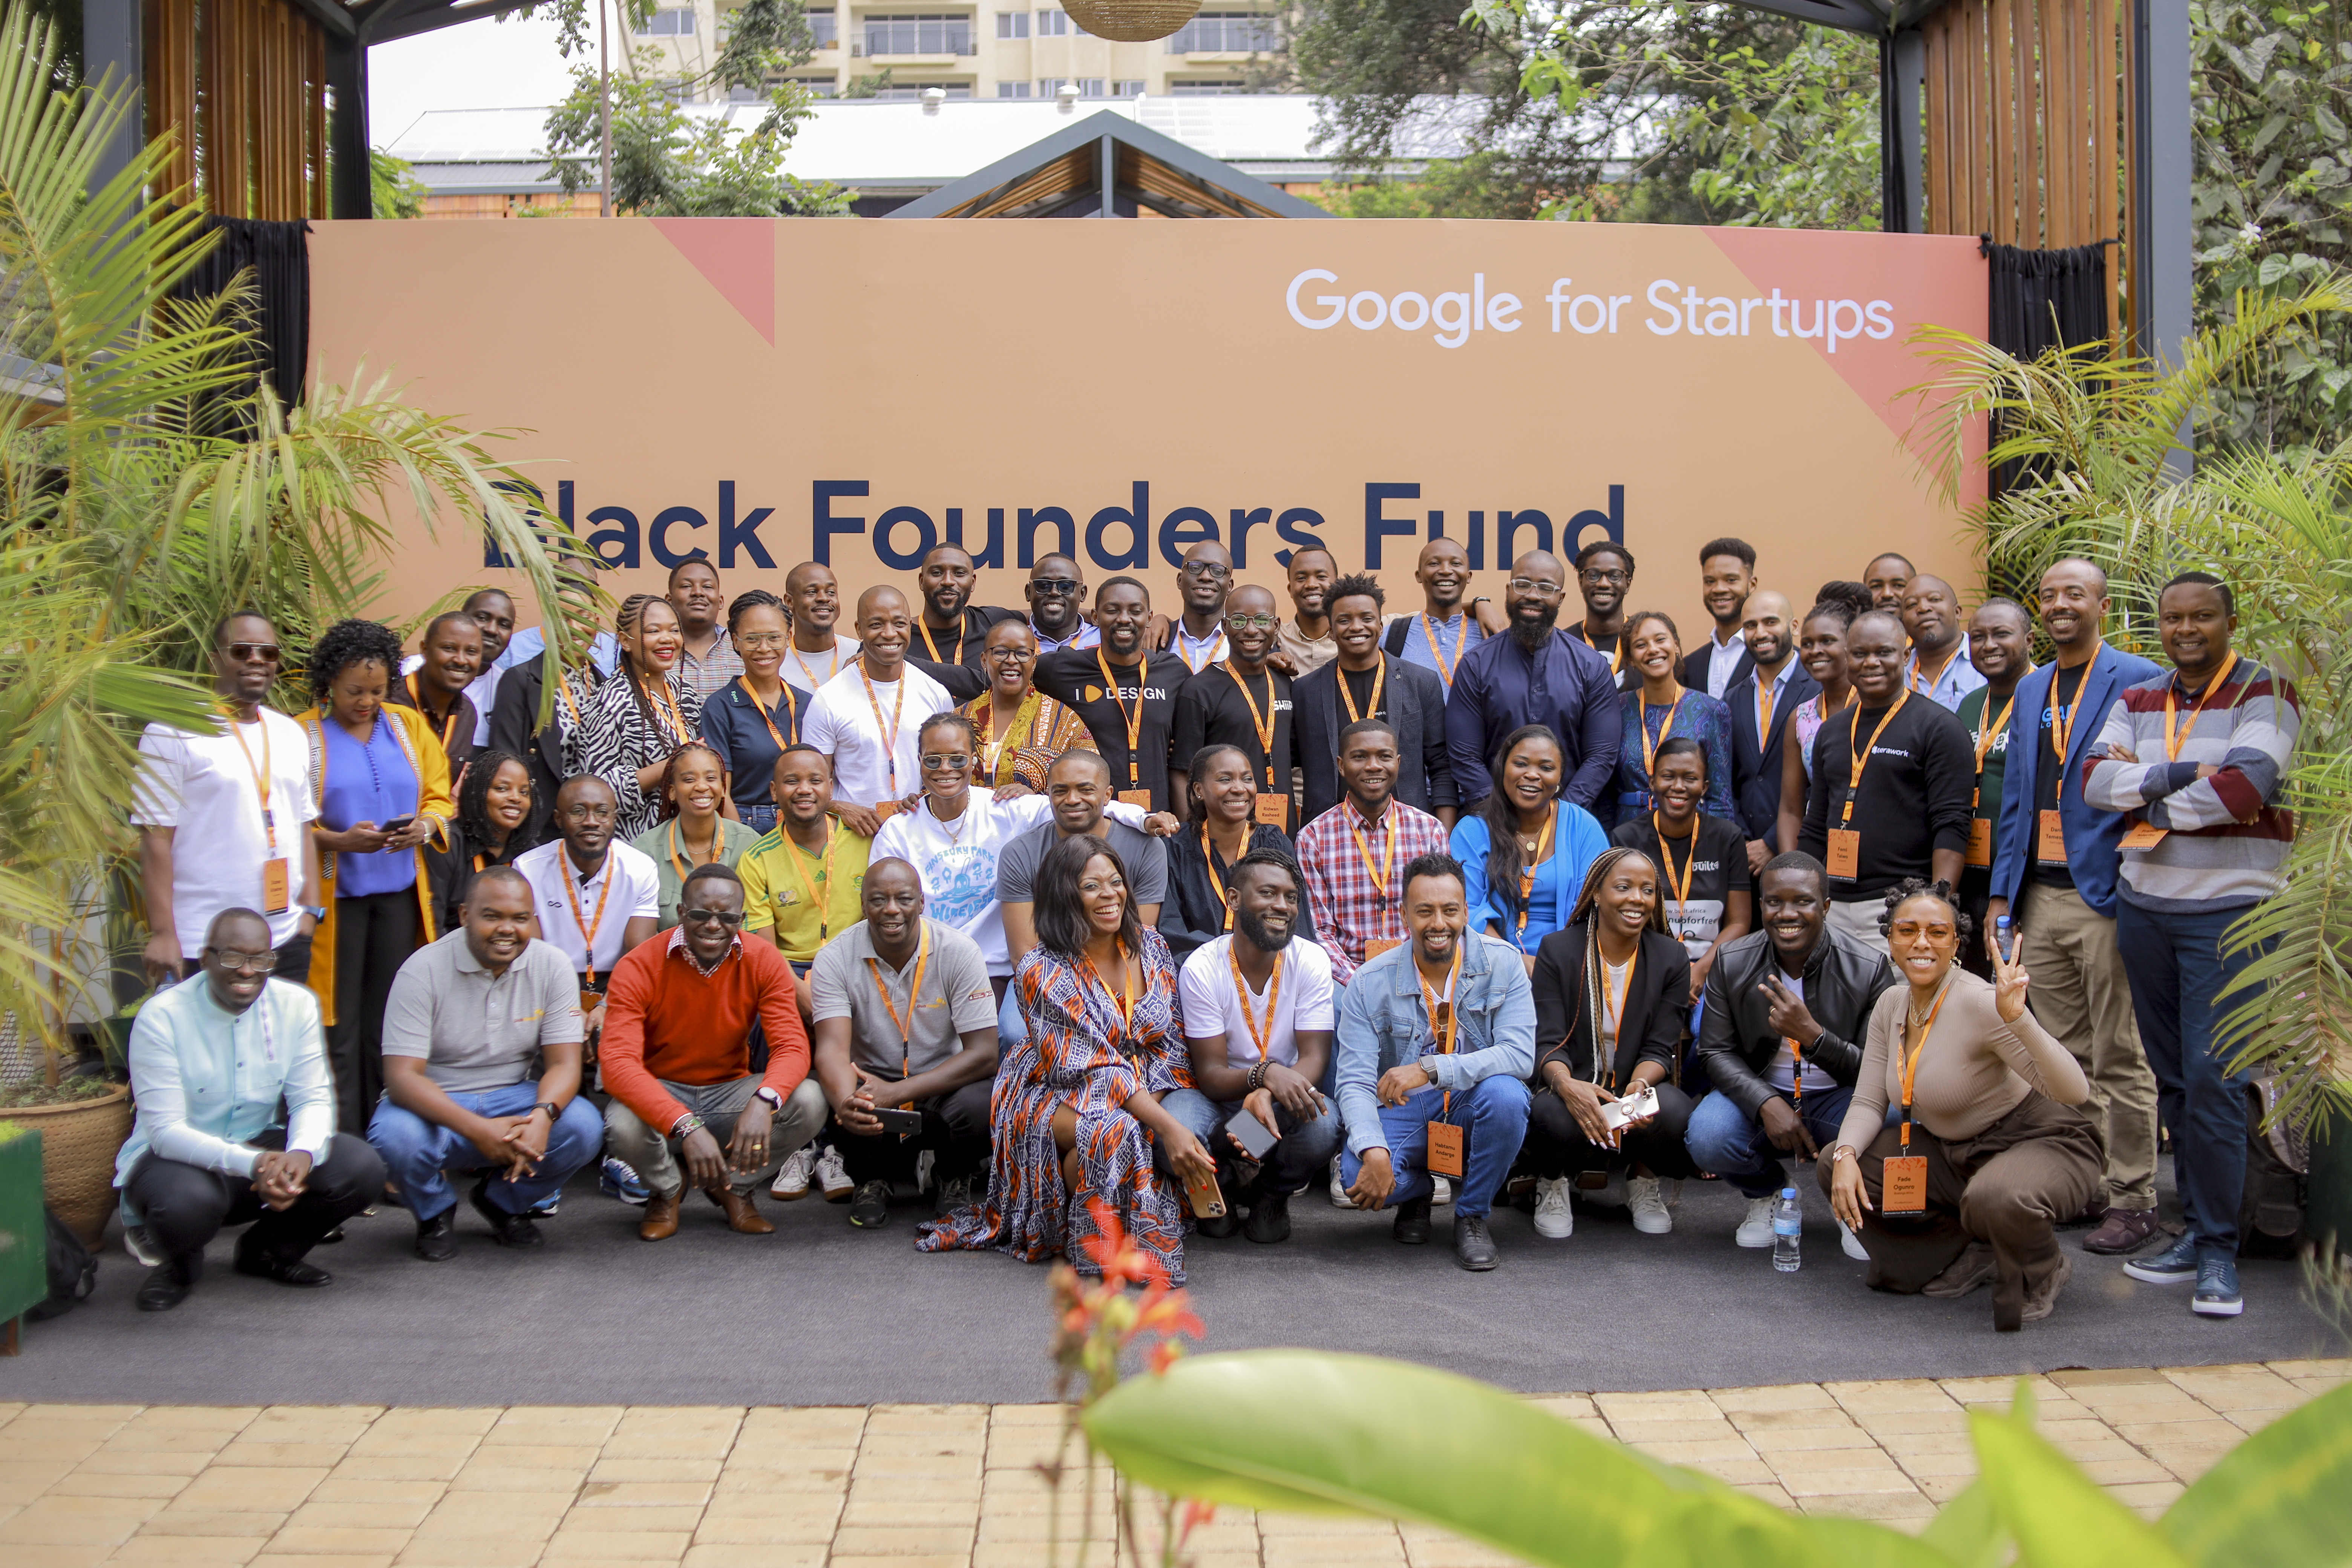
(1528, 873)
(1690, 865)
(1218, 648)
(663, 702)
(924, 626)
(832, 669)
(1264, 726)
(1134, 721)
(588, 929)
(1209, 857)
(795, 855)
(1860, 754)
(1363, 846)
(1124, 998)
(1437, 649)
(914, 998)
(1991, 732)
(1911, 1063)
(261, 774)
(1442, 1019)
(2172, 742)
(1371, 708)
(718, 836)
(1616, 654)
(790, 709)
(1763, 710)
(1650, 747)
(448, 726)
(1912, 682)
(2062, 725)
(1612, 1012)
(889, 732)
(571, 703)
(1258, 1037)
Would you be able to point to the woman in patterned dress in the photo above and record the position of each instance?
(1820, 643)
(632, 724)
(1020, 728)
(1076, 1108)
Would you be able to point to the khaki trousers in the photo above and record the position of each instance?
(2080, 994)
(1859, 919)
(654, 1154)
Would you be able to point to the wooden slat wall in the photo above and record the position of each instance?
(241, 85)
(2029, 124)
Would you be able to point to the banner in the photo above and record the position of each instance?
(855, 392)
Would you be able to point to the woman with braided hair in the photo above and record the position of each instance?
(1820, 647)
(634, 723)
(691, 832)
(1611, 989)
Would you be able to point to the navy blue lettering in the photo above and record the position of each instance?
(1288, 527)
(904, 560)
(1137, 516)
(980, 559)
(1611, 522)
(658, 534)
(1477, 543)
(1244, 520)
(1182, 529)
(1378, 527)
(743, 535)
(1506, 527)
(1066, 532)
(623, 532)
(826, 525)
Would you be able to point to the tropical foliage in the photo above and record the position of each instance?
(393, 188)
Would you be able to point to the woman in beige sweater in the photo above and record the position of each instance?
(1998, 1157)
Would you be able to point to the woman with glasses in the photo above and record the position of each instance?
(1524, 849)
(749, 721)
(1821, 646)
(1020, 728)
(694, 833)
(1081, 1122)
(495, 803)
(634, 722)
(1659, 709)
(1986, 1153)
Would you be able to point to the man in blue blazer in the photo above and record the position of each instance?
(2054, 866)
(1760, 702)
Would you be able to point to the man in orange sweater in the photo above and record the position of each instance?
(703, 1042)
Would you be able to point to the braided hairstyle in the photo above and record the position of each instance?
(474, 795)
(669, 807)
(347, 643)
(1912, 887)
(1587, 914)
(751, 599)
(1842, 602)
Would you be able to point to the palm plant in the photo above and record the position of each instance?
(149, 482)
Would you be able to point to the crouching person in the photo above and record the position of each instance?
(210, 1059)
(467, 1015)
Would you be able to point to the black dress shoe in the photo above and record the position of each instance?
(263, 1265)
(1269, 1218)
(1412, 1225)
(437, 1238)
(1472, 1248)
(510, 1229)
(1220, 1228)
(165, 1287)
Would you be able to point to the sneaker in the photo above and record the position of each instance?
(1442, 1197)
(2123, 1231)
(834, 1177)
(1339, 1198)
(791, 1183)
(1555, 1220)
(1756, 1230)
(2176, 1265)
(1648, 1206)
(2217, 1289)
(869, 1209)
(1971, 1270)
(141, 1247)
(615, 1178)
(955, 1192)
(1269, 1219)
(1849, 1244)
(546, 1207)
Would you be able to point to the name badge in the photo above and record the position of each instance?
(2143, 835)
(1845, 852)
(2050, 840)
(588, 1000)
(1274, 810)
(886, 811)
(1137, 797)
(1979, 841)
(1375, 946)
(1448, 1147)
(276, 884)
(1903, 1186)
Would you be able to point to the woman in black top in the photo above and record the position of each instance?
(1201, 854)
(493, 805)
(1702, 860)
(1611, 990)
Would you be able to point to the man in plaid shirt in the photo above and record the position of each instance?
(1353, 855)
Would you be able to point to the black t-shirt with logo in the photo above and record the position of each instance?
(1359, 684)
(1211, 710)
(1073, 675)
(1715, 860)
(965, 642)
(2050, 769)
(1914, 798)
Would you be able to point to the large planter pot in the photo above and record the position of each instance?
(79, 1143)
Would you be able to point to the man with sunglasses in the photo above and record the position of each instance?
(223, 816)
(703, 1042)
(1057, 595)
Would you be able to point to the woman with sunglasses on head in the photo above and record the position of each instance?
(494, 810)
(1020, 728)
(1611, 990)
(693, 832)
(756, 715)
(1820, 647)
(1986, 1153)
(634, 722)
(1097, 1106)
(1221, 828)
(1523, 848)
(1659, 709)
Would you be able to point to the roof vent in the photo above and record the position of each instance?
(1066, 97)
(932, 97)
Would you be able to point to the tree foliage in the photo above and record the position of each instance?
(1478, 186)
(396, 191)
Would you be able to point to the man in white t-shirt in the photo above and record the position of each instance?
(867, 718)
(1258, 1017)
(596, 900)
(223, 817)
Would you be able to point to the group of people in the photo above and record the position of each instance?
(1083, 911)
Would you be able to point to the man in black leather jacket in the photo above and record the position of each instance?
(1794, 983)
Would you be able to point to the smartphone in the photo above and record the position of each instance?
(1633, 1108)
(397, 825)
(1249, 1135)
(1208, 1203)
(905, 1123)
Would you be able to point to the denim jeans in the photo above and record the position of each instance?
(1193, 1111)
(1292, 1164)
(1495, 1114)
(1727, 1142)
(419, 1154)
(1012, 1028)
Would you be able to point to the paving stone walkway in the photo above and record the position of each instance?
(903, 1486)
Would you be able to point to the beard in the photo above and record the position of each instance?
(1251, 926)
(1529, 634)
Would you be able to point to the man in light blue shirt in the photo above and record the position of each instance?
(1440, 1032)
(210, 1058)
(1938, 666)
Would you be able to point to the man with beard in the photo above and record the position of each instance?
(1604, 575)
(952, 628)
(1436, 1042)
(1535, 675)
(1306, 637)
(1126, 696)
(1445, 628)
(1056, 589)
(1349, 855)
(1939, 668)
(867, 718)
(1257, 1011)
(1886, 577)
(1364, 682)
(1727, 578)
(816, 653)
(1760, 703)
(438, 679)
(1240, 702)
(1197, 635)
(493, 613)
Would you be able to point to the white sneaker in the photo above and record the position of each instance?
(1852, 1244)
(1649, 1206)
(1756, 1230)
(1554, 1219)
(141, 1246)
(1339, 1198)
(1444, 1195)
(792, 1180)
(1673, 1187)
(834, 1177)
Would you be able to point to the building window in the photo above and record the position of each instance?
(1088, 86)
(1203, 89)
(1053, 23)
(824, 29)
(1127, 89)
(1224, 32)
(1012, 90)
(669, 24)
(819, 86)
(1012, 25)
(912, 92)
(927, 35)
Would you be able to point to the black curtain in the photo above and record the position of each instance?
(2043, 299)
(278, 255)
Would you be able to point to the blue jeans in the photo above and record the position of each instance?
(1495, 1112)
(1193, 1111)
(418, 1155)
(1725, 1141)
(1012, 1028)
(1292, 1164)
(2176, 967)
(758, 818)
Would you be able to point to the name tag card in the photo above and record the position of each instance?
(1845, 852)
(1979, 841)
(2143, 835)
(886, 811)
(1274, 810)
(276, 886)
(1902, 1188)
(1137, 797)
(2050, 839)
(1448, 1150)
(1375, 946)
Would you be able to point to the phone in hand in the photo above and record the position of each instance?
(397, 825)
(1633, 1108)
(905, 1123)
(1250, 1135)
(1208, 1202)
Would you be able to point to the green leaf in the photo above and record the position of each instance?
(2282, 1499)
(1968, 1529)
(2058, 1516)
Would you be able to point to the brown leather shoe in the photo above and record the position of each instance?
(2041, 1299)
(661, 1217)
(741, 1213)
(2123, 1230)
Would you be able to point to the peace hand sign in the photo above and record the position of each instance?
(2010, 981)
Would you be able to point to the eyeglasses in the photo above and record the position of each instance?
(1015, 651)
(730, 918)
(1530, 585)
(247, 652)
(760, 641)
(954, 762)
(1056, 587)
(1604, 574)
(1208, 569)
(1911, 931)
(1252, 623)
(244, 962)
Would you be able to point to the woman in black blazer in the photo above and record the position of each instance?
(1611, 988)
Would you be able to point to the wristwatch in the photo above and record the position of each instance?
(553, 1110)
(775, 1102)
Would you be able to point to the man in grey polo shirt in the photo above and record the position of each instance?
(905, 1019)
(466, 1016)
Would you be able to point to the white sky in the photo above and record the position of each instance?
(488, 64)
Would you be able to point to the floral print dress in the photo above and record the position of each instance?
(1080, 1054)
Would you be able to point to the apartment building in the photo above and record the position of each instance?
(987, 51)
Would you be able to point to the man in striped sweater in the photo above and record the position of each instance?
(2199, 759)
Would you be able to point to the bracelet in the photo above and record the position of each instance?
(686, 1126)
(1844, 1152)
(1256, 1077)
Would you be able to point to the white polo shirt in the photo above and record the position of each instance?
(635, 885)
(1205, 992)
(840, 724)
(204, 788)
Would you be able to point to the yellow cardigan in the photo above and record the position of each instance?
(413, 734)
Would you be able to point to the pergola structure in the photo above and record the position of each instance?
(1106, 165)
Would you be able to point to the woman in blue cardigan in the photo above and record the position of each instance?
(1524, 849)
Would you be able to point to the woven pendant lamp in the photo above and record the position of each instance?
(1131, 21)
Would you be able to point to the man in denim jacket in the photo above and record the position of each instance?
(1442, 1029)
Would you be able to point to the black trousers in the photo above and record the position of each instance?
(955, 1129)
(1557, 1146)
(293, 962)
(374, 934)
(185, 1205)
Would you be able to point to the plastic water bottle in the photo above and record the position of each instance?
(1787, 1230)
(2001, 938)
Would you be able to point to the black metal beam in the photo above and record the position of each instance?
(1847, 15)
(413, 20)
(1902, 90)
(352, 193)
(2163, 229)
